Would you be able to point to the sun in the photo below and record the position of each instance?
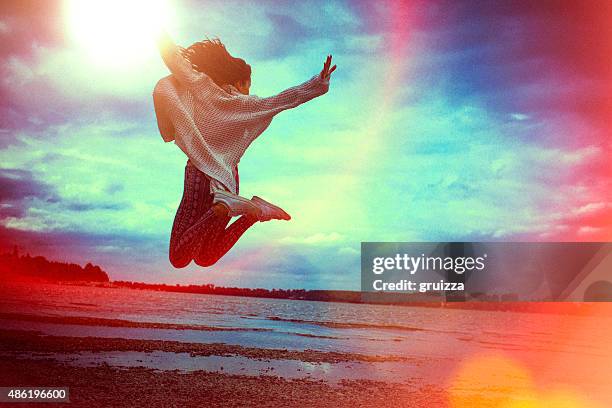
(116, 32)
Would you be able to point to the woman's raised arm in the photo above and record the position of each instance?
(290, 98)
(177, 62)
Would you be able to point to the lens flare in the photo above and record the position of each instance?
(497, 380)
(117, 32)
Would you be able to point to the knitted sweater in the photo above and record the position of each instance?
(215, 126)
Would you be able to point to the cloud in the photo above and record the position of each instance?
(519, 116)
(4, 28)
(285, 27)
(17, 185)
(592, 208)
(287, 266)
(29, 22)
(56, 87)
(588, 230)
(315, 239)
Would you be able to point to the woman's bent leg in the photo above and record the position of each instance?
(185, 247)
(225, 239)
(197, 221)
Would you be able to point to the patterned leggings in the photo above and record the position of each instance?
(199, 233)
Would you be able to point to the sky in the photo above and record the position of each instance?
(445, 121)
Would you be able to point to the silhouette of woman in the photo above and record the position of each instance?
(204, 106)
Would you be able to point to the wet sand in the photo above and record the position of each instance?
(16, 340)
(108, 386)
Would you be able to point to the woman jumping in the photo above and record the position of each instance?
(205, 107)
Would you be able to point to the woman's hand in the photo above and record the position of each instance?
(327, 71)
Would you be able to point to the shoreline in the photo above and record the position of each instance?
(32, 341)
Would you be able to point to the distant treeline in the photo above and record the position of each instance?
(296, 294)
(38, 268)
(346, 296)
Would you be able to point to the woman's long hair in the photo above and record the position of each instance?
(212, 58)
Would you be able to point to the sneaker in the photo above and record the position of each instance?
(236, 205)
(270, 211)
